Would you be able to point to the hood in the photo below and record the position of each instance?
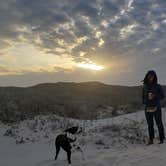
(150, 72)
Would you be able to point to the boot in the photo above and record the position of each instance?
(150, 142)
(161, 142)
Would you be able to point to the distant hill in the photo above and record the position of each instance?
(87, 100)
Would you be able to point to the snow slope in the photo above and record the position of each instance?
(108, 142)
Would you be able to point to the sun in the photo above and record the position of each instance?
(90, 66)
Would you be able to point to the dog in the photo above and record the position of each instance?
(66, 141)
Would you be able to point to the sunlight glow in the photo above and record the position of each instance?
(90, 66)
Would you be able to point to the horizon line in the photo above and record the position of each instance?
(77, 82)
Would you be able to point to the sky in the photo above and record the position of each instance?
(112, 41)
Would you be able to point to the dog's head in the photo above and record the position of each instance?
(74, 130)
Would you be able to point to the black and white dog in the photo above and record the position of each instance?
(66, 141)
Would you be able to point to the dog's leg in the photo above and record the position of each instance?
(82, 153)
(78, 148)
(67, 147)
(69, 157)
(57, 151)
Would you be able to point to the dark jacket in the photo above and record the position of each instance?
(157, 90)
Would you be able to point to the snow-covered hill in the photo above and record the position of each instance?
(107, 142)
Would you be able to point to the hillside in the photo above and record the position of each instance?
(87, 100)
(114, 141)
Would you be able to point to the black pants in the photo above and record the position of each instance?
(157, 115)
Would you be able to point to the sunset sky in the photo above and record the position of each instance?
(112, 41)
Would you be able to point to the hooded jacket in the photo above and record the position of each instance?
(154, 88)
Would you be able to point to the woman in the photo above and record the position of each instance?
(152, 94)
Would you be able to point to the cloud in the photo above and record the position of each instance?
(68, 21)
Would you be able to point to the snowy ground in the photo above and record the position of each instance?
(108, 142)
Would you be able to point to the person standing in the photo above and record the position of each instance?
(152, 95)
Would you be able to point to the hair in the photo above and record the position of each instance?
(150, 72)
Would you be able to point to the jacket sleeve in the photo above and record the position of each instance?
(161, 94)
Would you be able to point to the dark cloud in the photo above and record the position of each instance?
(87, 9)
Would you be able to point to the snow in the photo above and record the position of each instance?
(105, 142)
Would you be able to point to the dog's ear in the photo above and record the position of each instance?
(80, 130)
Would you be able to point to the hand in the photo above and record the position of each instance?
(151, 96)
